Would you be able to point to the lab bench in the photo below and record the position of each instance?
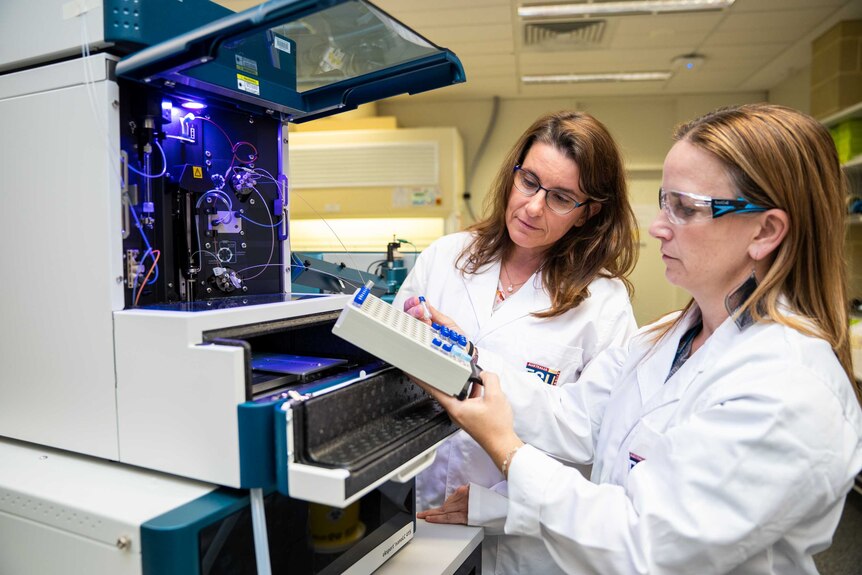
(438, 550)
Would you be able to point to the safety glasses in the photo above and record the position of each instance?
(685, 208)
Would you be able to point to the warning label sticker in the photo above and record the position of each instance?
(247, 84)
(246, 65)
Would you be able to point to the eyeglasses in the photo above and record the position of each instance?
(559, 201)
(684, 208)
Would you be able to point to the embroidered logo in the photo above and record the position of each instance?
(634, 459)
(547, 375)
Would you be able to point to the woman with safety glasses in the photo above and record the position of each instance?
(541, 281)
(727, 436)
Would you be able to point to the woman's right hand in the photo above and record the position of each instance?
(486, 416)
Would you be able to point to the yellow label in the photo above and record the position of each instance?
(247, 80)
(197, 172)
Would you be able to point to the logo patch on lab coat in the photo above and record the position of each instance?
(547, 375)
(634, 459)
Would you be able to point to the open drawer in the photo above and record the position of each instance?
(341, 445)
(344, 422)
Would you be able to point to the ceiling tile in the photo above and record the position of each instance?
(745, 45)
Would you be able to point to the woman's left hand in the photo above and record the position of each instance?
(413, 306)
(486, 415)
(454, 509)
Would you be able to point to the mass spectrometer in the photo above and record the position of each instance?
(147, 300)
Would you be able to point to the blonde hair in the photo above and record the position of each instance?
(780, 158)
(605, 246)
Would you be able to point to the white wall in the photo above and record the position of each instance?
(794, 91)
(642, 127)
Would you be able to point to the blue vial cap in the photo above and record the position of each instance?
(361, 295)
(447, 347)
(436, 342)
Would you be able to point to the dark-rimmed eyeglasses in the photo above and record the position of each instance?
(685, 208)
(559, 201)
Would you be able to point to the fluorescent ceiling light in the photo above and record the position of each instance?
(546, 11)
(581, 78)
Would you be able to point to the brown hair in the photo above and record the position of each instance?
(605, 246)
(780, 158)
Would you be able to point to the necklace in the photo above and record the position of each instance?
(511, 287)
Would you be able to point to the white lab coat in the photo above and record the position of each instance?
(739, 463)
(563, 344)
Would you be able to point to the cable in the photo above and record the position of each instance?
(480, 151)
(259, 266)
(323, 273)
(251, 221)
(89, 86)
(200, 251)
(233, 147)
(155, 267)
(229, 141)
(216, 192)
(272, 235)
(148, 253)
(352, 283)
(204, 252)
(415, 250)
(350, 257)
(180, 138)
(204, 118)
(378, 263)
(164, 164)
(134, 282)
(257, 173)
(258, 528)
(146, 277)
(138, 224)
(236, 147)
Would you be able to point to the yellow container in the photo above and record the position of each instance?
(848, 139)
(333, 529)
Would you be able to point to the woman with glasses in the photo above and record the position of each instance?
(540, 281)
(727, 436)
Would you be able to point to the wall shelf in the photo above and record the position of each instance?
(854, 111)
(853, 164)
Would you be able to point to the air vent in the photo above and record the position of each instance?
(364, 164)
(577, 35)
